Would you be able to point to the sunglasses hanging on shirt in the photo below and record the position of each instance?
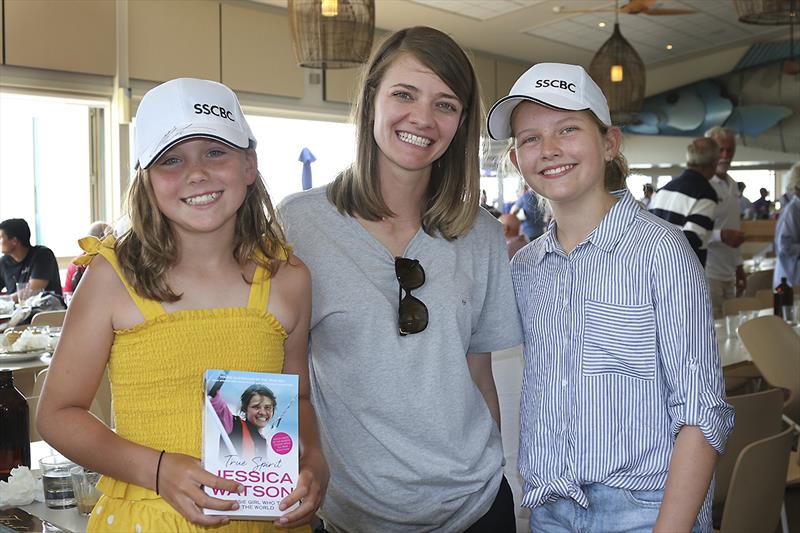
(412, 313)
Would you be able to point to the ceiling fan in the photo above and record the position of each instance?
(633, 7)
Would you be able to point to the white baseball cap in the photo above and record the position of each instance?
(555, 85)
(183, 108)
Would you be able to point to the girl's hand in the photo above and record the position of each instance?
(310, 491)
(179, 483)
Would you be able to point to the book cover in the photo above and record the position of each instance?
(250, 435)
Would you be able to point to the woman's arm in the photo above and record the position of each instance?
(294, 294)
(64, 420)
(690, 469)
(480, 368)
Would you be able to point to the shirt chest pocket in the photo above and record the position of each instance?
(619, 339)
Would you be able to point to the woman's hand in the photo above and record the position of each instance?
(310, 491)
(179, 483)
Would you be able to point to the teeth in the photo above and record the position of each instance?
(550, 171)
(202, 199)
(413, 139)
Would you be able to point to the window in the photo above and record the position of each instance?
(46, 147)
(636, 184)
(755, 180)
(280, 141)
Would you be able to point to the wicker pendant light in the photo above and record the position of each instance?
(332, 33)
(620, 73)
(768, 12)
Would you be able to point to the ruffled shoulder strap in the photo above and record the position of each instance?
(259, 290)
(93, 246)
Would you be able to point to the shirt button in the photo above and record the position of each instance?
(693, 367)
(563, 382)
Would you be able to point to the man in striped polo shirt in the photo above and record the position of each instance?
(689, 200)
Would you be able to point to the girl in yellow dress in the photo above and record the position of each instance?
(202, 279)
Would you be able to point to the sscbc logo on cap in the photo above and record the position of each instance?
(217, 111)
(556, 84)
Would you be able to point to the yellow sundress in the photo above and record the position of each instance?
(156, 374)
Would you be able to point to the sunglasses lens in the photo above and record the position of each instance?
(413, 315)
(409, 273)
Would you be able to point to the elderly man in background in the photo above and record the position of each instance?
(787, 236)
(689, 201)
(724, 268)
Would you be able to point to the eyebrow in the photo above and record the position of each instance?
(415, 89)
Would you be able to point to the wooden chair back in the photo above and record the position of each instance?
(775, 349)
(49, 318)
(757, 486)
(732, 306)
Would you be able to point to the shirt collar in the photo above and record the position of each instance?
(606, 235)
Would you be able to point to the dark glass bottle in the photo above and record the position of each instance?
(15, 444)
(782, 297)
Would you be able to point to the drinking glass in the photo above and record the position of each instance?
(788, 313)
(56, 481)
(84, 484)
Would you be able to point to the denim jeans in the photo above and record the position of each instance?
(610, 510)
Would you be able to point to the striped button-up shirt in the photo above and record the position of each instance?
(620, 354)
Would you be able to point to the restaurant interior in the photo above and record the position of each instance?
(74, 71)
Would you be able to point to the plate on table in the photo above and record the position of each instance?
(15, 357)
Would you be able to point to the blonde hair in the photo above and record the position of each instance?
(702, 152)
(149, 248)
(454, 188)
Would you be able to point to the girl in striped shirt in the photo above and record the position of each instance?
(622, 414)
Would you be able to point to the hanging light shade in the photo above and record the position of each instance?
(620, 73)
(331, 33)
(768, 12)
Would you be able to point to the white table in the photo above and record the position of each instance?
(68, 519)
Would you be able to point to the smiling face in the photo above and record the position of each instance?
(416, 116)
(259, 410)
(199, 184)
(562, 154)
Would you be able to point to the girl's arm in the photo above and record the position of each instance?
(480, 368)
(291, 297)
(690, 469)
(64, 420)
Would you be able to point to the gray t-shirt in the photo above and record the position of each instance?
(408, 437)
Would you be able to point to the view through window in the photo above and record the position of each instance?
(45, 167)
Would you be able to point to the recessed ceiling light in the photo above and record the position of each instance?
(669, 46)
(601, 24)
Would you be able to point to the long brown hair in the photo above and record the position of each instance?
(148, 249)
(454, 187)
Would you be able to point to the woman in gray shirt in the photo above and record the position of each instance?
(402, 382)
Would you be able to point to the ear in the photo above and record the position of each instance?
(611, 143)
(512, 155)
(250, 166)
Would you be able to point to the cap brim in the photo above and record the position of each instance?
(499, 122)
(232, 137)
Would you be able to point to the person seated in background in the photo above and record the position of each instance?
(23, 263)
(74, 272)
(745, 205)
(787, 236)
(514, 240)
(528, 202)
(648, 191)
(762, 208)
(689, 200)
